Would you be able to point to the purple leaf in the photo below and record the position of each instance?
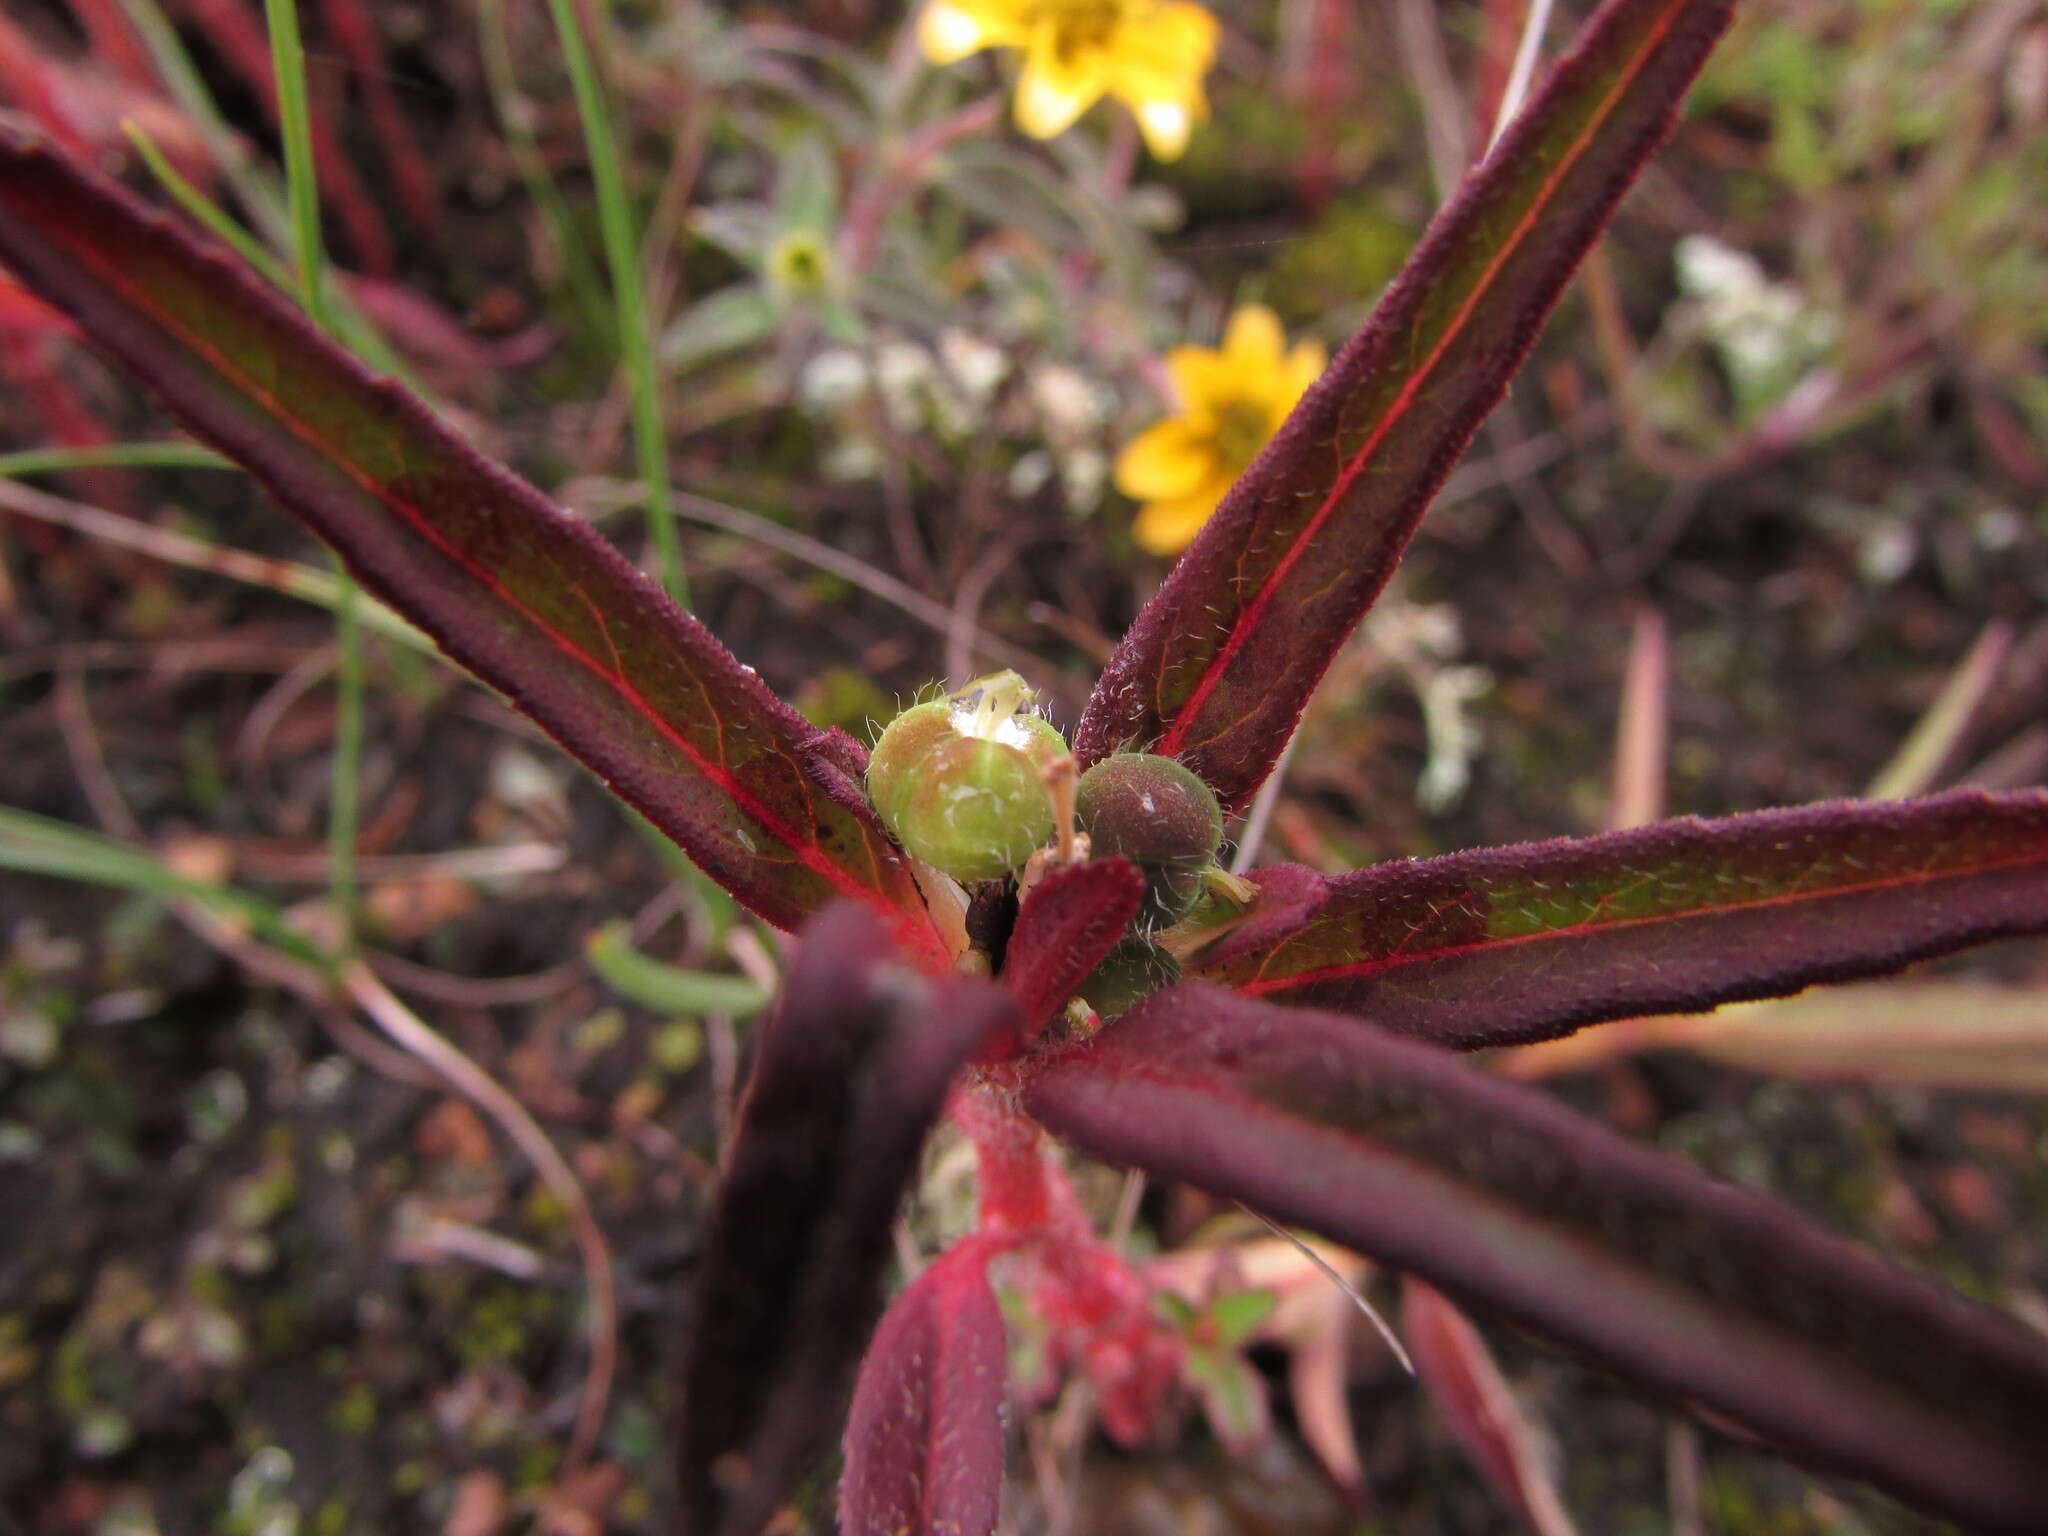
(924, 1442)
(1218, 666)
(528, 597)
(851, 1072)
(1495, 1194)
(1289, 895)
(1069, 922)
(1501, 945)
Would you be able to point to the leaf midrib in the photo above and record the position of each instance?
(1259, 984)
(1175, 738)
(805, 852)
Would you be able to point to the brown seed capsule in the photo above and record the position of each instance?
(1156, 813)
(958, 779)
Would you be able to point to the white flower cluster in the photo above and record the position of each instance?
(1767, 332)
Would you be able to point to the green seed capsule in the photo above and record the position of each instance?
(1156, 813)
(1129, 974)
(958, 779)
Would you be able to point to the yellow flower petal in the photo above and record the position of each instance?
(1166, 126)
(1305, 365)
(1159, 53)
(1058, 84)
(1232, 401)
(1201, 376)
(1289, 378)
(1164, 462)
(1046, 108)
(1254, 340)
(947, 34)
(1168, 527)
(1185, 32)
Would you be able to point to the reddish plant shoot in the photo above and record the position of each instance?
(1278, 1077)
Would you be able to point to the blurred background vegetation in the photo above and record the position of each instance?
(1777, 476)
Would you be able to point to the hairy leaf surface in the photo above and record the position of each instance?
(1500, 945)
(525, 595)
(851, 1072)
(1500, 1196)
(1218, 666)
(924, 1441)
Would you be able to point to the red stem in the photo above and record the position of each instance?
(1097, 1308)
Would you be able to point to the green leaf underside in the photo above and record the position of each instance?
(850, 1073)
(1716, 1295)
(1503, 945)
(1218, 666)
(525, 595)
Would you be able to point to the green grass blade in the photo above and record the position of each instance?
(585, 285)
(302, 190)
(621, 249)
(667, 988)
(62, 461)
(38, 845)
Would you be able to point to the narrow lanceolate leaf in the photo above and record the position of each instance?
(1469, 1391)
(1065, 928)
(1935, 1033)
(1218, 666)
(1502, 945)
(924, 1440)
(1945, 1033)
(1499, 1196)
(851, 1072)
(525, 595)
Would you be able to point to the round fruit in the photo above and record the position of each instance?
(1153, 811)
(958, 780)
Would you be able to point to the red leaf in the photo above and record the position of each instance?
(526, 596)
(88, 109)
(230, 27)
(1467, 1386)
(427, 331)
(1714, 1294)
(1219, 664)
(112, 40)
(924, 1442)
(1066, 926)
(32, 81)
(851, 1072)
(356, 35)
(1501, 945)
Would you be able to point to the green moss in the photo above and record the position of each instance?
(495, 1329)
(354, 1412)
(1345, 259)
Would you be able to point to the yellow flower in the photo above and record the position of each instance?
(1231, 402)
(1149, 54)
